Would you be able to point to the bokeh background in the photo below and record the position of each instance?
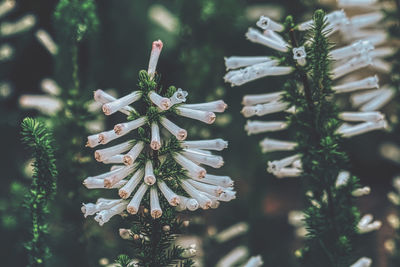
(197, 35)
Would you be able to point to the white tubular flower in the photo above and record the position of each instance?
(296, 218)
(178, 97)
(116, 159)
(202, 158)
(375, 37)
(257, 37)
(108, 136)
(214, 200)
(214, 106)
(6, 52)
(353, 64)
(102, 97)
(365, 20)
(162, 102)
(23, 24)
(105, 215)
(124, 128)
(93, 183)
(249, 100)
(213, 190)
(255, 261)
(204, 202)
(299, 54)
(266, 23)
(190, 166)
(287, 172)
(155, 209)
(264, 109)
(355, 3)
(239, 62)
(170, 196)
(102, 154)
(390, 151)
(227, 195)
(255, 127)
(362, 262)
(232, 232)
(204, 116)
(45, 104)
(155, 143)
(381, 65)
(355, 49)
(117, 176)
(104, 175)
(396, 184)
(373, 116)
(271, 145)
(394, 198)
(131, 156)
(379, 101)
(133, 182)
(50, 87)
(362, 128)
(275, 36)
(6, 6)
(361, 191)
(366, 83)
(174, 129)
(114, 106)
(361, 98)
(133, 206)
(254, 72)
(154, 55)
(187, 203)
(276, 165)
(45, 39)
(342, 179)
(383, 52)
(233, 257)
(149, 177)
(213, 144)
(102, 204)
(367, 224)
(224, 181)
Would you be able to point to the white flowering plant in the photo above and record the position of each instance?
(156, 171)
(313, 68)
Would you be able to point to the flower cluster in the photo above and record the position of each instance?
(159, 162)
(314, 71)
(368, 26)
(347, 59)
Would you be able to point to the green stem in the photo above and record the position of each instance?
(315, 119)
(307, 90)
(75, 66)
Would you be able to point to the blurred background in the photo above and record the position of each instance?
(197, 35)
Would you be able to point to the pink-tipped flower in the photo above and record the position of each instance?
(155, 54)
(174, 129)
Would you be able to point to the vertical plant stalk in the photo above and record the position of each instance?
(331, 235)
(37, 138)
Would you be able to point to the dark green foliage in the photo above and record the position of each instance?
(76, 18)
(331, 216)
(40, 142)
